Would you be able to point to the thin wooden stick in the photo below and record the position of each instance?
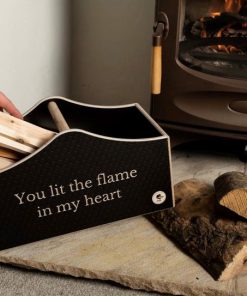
(18, 136)
(16, 146)
(57, 116)
(23, 132)
(21, 136)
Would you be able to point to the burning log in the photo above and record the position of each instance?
(211, 26)
(225, 19)
(217, 41)
(236, 46)
(243, 9)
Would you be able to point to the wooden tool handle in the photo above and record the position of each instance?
(57, 116)
(156, 70)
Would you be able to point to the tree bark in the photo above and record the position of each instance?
(218, 243)
(231, 192)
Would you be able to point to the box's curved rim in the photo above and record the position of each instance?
(78, 103)
(136, 105)
(26, 158)
(163, 136)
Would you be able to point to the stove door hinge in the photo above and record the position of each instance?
(161, 29)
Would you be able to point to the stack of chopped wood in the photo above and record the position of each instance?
(19, 138)
(210, 224)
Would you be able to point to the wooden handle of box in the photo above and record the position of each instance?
(57, 116)
(156, 70)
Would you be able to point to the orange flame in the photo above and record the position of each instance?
(232, 5)
(216, 13)
(221, 47)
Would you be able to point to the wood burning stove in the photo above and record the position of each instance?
(204, 76)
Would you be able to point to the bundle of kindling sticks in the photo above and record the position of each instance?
(19, 138)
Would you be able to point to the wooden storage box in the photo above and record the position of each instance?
(113, 163)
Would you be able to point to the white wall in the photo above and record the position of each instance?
(111, 51)
(97, 51)
(34, 48)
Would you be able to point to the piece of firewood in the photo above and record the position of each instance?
(218, 243)
(5, 162)
(4, 152)
(21, 136)
(231, 192)
(16, 146)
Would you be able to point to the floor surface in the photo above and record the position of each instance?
(18, 281)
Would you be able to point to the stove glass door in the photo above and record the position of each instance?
(213, 37)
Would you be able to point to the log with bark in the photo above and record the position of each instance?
(217, 242)
(231, 192)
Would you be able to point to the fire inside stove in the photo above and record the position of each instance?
(214, 37)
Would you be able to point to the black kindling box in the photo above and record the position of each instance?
(113, 163)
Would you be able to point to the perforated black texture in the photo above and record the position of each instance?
(75, 155)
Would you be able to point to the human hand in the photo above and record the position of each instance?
(7, 105)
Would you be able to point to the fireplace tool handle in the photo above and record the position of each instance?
(161, 29)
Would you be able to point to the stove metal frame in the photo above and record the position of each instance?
(194, 101)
